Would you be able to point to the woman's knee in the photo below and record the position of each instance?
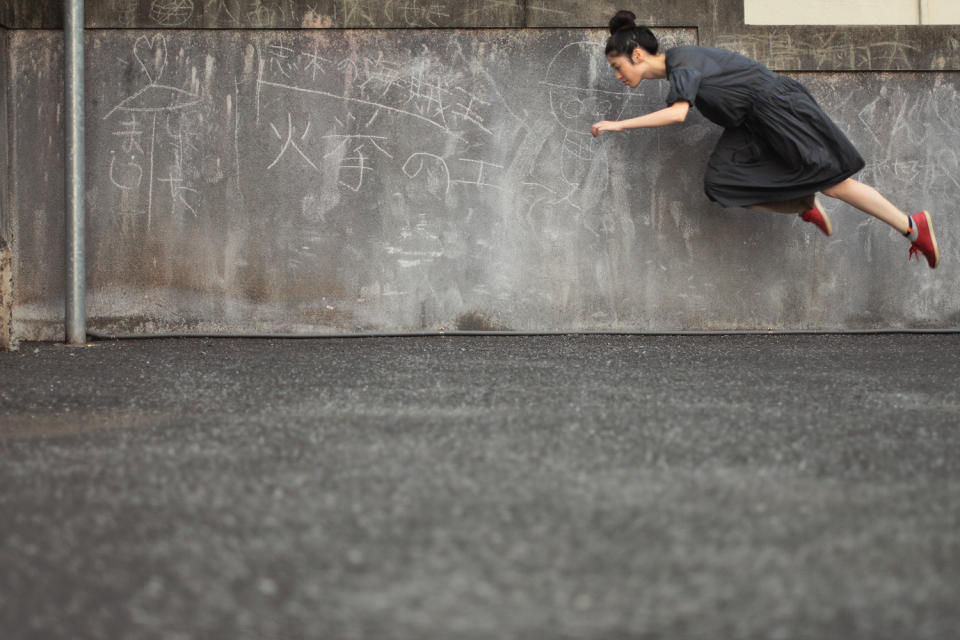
(837, 190)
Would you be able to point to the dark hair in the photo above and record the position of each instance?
(625, 36)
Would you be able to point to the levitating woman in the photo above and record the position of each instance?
(778, 149)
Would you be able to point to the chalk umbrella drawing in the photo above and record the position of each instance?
(155, 98)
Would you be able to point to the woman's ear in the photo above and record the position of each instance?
(638, 55)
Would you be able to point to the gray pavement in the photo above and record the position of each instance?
(549, 487)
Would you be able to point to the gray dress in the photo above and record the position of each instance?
(778, 144)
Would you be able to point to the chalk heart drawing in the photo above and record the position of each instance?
(151, 53)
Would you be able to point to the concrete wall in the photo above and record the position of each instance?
(35, 144)
(718, 22)
(341, 180)
(32, 14)
(273, 14)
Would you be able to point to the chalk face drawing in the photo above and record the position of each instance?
(582, 91)
(582, 87)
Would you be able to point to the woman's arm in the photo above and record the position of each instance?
(674, 114)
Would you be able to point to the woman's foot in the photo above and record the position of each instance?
(819, 217)
(925, 241)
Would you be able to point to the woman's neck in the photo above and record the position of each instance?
(658, 65)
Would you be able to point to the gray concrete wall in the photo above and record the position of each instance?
(718, 22)
(328, 180)
(271, 14)
(36, 190)
(33, 14)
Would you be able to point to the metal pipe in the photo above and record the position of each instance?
(76, 329)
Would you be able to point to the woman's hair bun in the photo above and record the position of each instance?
(623, 20)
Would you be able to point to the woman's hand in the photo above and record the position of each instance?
(606, 125)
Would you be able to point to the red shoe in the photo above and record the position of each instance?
(818, 217)
(926, 242)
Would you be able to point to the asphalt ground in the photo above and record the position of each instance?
(485, 487)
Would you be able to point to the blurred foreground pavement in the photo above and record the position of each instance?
(552, 487)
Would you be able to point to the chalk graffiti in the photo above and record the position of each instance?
(153, 101)
(151, 54)
(577, 100)
(127, 176)
(385, 94)
(419, 174)
(131, 135)
(281, 59)
(262, 14)
(178, 190)
(820, 49)
(481, 166)
(436, 174)
(316, 63)
(171, 13)
(359, 167)
(229, 8)
(289, 142)
(347, 139)
(416, 13)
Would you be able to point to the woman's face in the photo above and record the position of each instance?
(629, 70)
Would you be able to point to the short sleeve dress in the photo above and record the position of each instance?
(777, 145)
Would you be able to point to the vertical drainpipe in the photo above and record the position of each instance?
(76, 293)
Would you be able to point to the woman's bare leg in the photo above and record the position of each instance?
(869, 200)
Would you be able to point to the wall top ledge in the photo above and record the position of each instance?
(719, 23)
